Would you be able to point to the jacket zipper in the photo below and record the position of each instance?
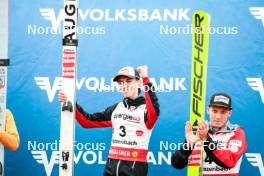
(117, 167)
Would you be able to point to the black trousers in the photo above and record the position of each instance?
(125, 168)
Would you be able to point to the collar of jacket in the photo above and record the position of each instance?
(136, 102)
(228, 127)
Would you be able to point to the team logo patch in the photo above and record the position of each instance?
(125, 71)
(234, 145)
(222, 99)
(139, 132)
(134, 154)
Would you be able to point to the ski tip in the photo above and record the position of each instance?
(201, 19)
(202, 13)
(199, 14)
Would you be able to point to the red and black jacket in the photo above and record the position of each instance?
(103, 119)
(226, 158)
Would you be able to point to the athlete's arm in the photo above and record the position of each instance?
(227, 158)
(10, 137)
(95, 120)
(179, 159)
(152, 105)
(86, 120)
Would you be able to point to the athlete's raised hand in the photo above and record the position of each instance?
(143, 71)
(202, 131)
(191, 138)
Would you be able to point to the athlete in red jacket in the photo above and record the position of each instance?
(132, 121)
(223, 143)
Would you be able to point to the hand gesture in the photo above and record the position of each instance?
(143, 71)
(191, 138)
(202, 131)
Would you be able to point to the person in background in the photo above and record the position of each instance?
(9, 137)
(223, 143)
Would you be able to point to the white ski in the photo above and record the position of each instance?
(69, 57)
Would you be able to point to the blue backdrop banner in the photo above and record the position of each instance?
(113, 34)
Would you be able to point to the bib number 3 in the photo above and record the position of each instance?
(122, 131)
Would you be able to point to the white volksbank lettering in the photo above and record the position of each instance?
(108, 15)
(257, 85)
(255, 160)
(120, 15)
(99, 85)
(111, 15)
